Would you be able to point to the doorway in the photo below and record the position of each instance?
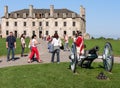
(40, 34)
(15, 34)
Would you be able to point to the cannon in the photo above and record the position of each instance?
(89, 56)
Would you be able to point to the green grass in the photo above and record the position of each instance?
(115, 45)
(101, 43)
(3, 50)
(57, 76)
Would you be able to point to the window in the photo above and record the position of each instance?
(24, 24)
(33, 32)
(7, 23)
(40, 23)
(65, 23)
(73, 33)
(24, 32)
(15, 23)
(47, 33)
(74, 23)
(33, 23)
(56, 23)
(40, 15)
(47, 24)
(7, 32)
(65, 32)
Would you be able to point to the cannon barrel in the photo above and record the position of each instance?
(93, 50)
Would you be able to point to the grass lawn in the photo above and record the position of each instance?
(3, 50)
(57, 76)
(101, 43)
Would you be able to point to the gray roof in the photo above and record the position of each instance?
(42, 12)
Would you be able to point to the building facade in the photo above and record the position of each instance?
(43, 22)
(0, 31)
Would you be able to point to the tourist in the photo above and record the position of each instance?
(30, 46)
(66, 42)
(56, 46)
(34, 49)
(44, 38)
(79, 43)
(10, 45)
(74, 38)
(48, 38)
(23, 44)
(49, 41)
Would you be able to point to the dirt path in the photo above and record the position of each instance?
(44, 55)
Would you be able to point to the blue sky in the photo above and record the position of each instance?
(102, 16)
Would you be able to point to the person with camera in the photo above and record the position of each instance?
(10, 45)
(56, 41)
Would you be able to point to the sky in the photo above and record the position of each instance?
(102, 16)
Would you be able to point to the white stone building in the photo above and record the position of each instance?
(43, 22)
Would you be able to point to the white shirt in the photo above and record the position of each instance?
(56, 42)
(33, 43)
(22, 41)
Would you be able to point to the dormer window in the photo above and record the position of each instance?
(24, 15)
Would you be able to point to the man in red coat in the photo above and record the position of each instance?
(79, 43)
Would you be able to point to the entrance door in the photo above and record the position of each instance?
(40, 34)
(15, 34)
(65, 32)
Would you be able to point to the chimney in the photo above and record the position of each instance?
(51, 10)
(31, 11)
(82, 12)
(6, 11)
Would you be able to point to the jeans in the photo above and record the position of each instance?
(8, 54)
(66, 47)
(57, 51)
(22, 52)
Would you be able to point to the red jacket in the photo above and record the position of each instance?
(80, 42)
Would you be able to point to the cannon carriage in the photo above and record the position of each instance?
(89, 56)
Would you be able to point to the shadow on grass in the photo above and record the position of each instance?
(100, 66)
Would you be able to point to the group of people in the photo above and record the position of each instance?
(11, 46)
(54, 46)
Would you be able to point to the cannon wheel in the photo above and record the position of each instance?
(108, 58)
(74, 61)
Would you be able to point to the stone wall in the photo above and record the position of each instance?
(29, 28)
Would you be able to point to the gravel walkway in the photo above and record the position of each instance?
(44, 55)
